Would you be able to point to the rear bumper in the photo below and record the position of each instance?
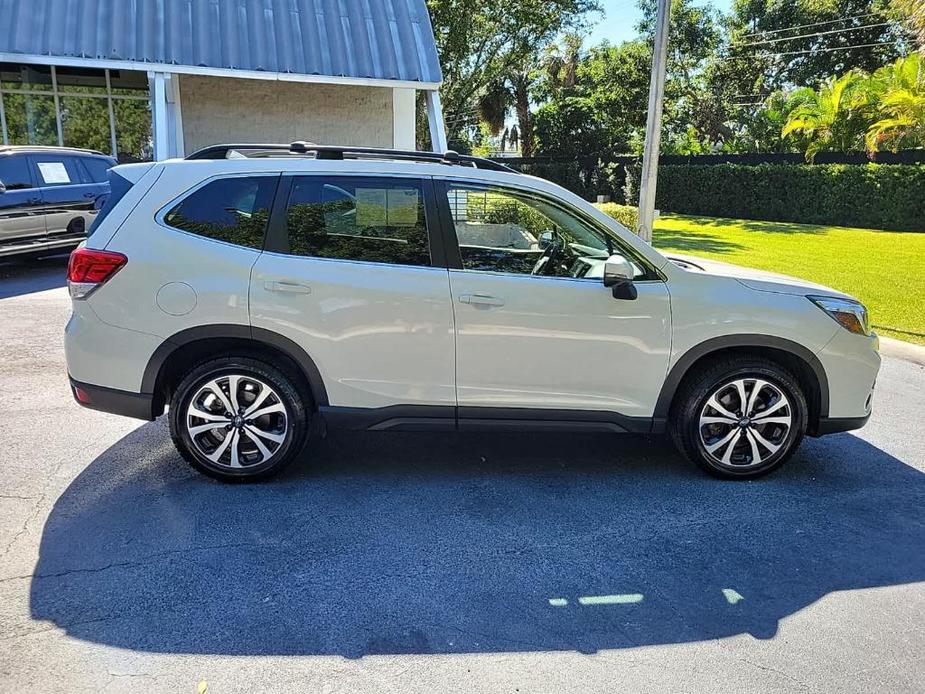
(834, 425)
(121, 402)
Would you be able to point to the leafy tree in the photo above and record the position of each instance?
(605, 107)
(913, 13)
(763, 39)
(482, 43)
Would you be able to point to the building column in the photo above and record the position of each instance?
(166, 116)
(435, 121)
(403, 125)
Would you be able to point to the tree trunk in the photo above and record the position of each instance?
(522, 104)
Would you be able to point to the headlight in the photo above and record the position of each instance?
(851, 315)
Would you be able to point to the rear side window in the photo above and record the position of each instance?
(234, 210)
(97, 168)
(364, 219)
(118, 187)
(14, 172)
(53, 170)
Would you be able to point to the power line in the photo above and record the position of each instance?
(818, 33)
(814, 24)
(814, 50)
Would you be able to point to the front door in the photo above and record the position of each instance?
(350, 275)
(21, 213)
(535, 327)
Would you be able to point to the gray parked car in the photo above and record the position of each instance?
(49, 196)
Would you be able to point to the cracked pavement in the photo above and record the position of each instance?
(451, 563)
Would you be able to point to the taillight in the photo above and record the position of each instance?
(89, 268)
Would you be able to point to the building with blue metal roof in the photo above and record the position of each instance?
(158, 78)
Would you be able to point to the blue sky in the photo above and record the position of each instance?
(620, 17)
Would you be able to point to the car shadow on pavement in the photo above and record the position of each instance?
(25, 276)
(424, 543)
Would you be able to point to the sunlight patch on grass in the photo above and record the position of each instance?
(884, 269)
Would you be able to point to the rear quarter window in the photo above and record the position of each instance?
(118, 187)
(235, 210)
(97, 168)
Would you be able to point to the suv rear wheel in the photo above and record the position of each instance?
(237, 418)
(739, 418)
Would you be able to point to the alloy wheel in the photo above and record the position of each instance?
(237, 421)
(745, 423)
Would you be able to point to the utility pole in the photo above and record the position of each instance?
(647, 179)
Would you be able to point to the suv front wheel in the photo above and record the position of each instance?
(237, 418)
(739, 418)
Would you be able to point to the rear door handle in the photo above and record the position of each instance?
(290, 287)
(481, 300)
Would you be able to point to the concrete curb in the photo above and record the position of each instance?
(902, 350)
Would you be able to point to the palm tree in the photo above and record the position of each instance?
(832, 118)
(900, 89)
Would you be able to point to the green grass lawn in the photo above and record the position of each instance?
(884, 269)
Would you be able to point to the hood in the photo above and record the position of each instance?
(759, 280)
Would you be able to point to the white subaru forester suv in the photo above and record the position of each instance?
(262, 293)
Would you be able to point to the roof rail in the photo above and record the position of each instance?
(49, 148)
(346, 152)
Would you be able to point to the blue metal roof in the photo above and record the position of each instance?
(354, 39)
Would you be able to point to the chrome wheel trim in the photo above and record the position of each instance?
(744, 423)
(237, 421)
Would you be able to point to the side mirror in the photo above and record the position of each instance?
(618, 274)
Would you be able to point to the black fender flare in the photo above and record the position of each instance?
(240, 332)
(716, 344)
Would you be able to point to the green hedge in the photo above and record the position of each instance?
(626, 215)
(876, 196)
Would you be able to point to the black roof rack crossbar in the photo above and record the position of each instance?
(345, 152)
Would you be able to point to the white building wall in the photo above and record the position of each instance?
(222, 109)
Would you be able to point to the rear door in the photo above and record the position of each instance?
(21, 214)
(69, 196)
(350, 274)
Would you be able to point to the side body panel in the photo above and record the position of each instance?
(559, 343)
(380, 334)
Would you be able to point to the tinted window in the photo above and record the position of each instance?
(97, 168)
(367, 219)
(14, 172)
(509, 231)
(234, 210)
(55, 170)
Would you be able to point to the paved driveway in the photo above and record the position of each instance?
(405, 563)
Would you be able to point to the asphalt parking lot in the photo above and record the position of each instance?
(425, 563)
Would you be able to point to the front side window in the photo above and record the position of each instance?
(14, 172)
(501, 230)
(362, 219)
(234, 210)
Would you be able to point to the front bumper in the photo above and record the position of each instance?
(137, 405)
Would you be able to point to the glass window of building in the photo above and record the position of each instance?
(104, 110)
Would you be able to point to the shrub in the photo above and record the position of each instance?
(877, 196)
(626, 215)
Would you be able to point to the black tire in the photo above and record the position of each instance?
(284, 390)
(716, 378)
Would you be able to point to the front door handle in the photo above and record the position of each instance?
(481, 300)
(289, 287)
